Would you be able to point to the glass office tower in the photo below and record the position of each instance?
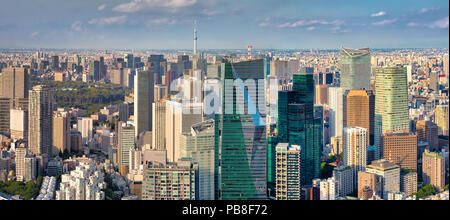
(240, 140)
(391, 104)
(355, 68)
(300, 123)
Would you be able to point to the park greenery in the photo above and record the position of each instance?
(28, 190)
(110, 187)
(86, 95)
(427, 190)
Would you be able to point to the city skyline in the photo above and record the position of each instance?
(156, 24)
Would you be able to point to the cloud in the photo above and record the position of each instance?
(210, 12)
(154, 5)
(425, 10)
(161, 21)
(384, 22)
(101, 7)
(264, 24)
(108, 20)
(34, 34)
(438, 24)
(301, 23)
(378, 14)
(76, 26)
(441, 23)
(311, 28)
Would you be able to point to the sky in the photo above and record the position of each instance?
(224, 24)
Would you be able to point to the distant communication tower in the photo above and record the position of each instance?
(249, 52)
(195, 37)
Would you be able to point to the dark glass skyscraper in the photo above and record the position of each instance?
(240, 140)
(300, 123)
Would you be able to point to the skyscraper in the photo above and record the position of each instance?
(40, 124)
(391, 104)
(300, 123)
(355, 68)
(359, 109)
(126, 142)
(428, 131)
(199, 147)
(94, 70)
(241, 143)
(15, 83)
(288, 185)
(355, 150)
(336, 106)
(61, 133)
(143, 100)
(159, 125)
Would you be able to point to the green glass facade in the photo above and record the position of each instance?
(300, 123)
(355, 68)
(391, 104)
(240, 140)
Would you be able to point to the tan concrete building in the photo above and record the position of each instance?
(61, 133)
(441, 119)
(433, 169)
(389, 173)
(370, 181)
(400, 148)
(427, 131)
(19, 126)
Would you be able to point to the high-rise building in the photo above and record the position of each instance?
(170, 181)
(441, 118)
(40, 123)
(5, 106)
(199, 147)
(359, 110)
(389, 173)
(328, 189)
(241, 143)
(355, 68)
(355, 150)
(19, 126)
(157, 62)
(143, 100)
(85, 126)
(129, 59)
(408, 182)
(321, 97)
(433, 169)
(288, 185)
(400, 148)
(161, 92)
(15, 83)
(391, 104)
(21, 153)
(344, 180)
(126, 140)
(300, 123)
(159, 125)
(61, 133)
(336, 108)
(94, 70)
(428, 131)
(179, 120)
